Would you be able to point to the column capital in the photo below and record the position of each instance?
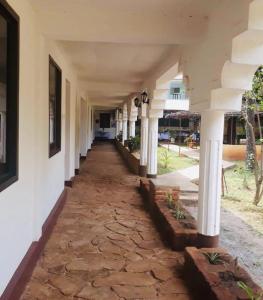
(222, 99)
(155, 113)
(132, 119)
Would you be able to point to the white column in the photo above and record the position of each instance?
(124, 123)
(124, 130)
(212, 129)
(131, 128)
(143, 146)
(120, 121)
(144, 141)
(152, 148)
(117, 123)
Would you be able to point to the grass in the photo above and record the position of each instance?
(174, 161)
(239, 200)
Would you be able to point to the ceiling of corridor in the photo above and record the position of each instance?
(115, 44)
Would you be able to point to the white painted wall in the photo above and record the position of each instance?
(25, 205)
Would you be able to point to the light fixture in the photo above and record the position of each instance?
(143, 99)
(137, 102)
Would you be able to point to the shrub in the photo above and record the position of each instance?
(133, 143)
(166, 158)
(170, 200)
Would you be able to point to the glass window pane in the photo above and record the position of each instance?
(52, 103)
(3, 83)
(54, 108)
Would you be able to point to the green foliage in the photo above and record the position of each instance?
(173, 133)
(188, 140)
(257, 89)
(166, 159)
(134, 143)
(249, 291)
(214, 258)
(170, 200)
(178, 213)
(119, 136)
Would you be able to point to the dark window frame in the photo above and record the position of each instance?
(55, 147)
(9, 174)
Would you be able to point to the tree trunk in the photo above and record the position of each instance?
(250, 138)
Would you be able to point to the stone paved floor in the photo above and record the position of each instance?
(104, 245)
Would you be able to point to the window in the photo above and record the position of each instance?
(105, 120)
(54, 108)
(9, 61)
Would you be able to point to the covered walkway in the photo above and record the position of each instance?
(104, 245)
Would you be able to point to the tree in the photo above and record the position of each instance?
(252, 105)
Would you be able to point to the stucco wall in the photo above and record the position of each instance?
(25, 205)
(237, 152)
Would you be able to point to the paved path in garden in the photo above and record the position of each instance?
(195, 154)
(104, 245)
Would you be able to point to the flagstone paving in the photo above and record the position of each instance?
(104, 245)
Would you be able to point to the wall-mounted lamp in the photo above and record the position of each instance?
(143, 99)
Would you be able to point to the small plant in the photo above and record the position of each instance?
(170, 200)
(166, 158)
(178, 213)
(133, 143)
(119, 136)
(243, 172)
(214, 258)
(188, 140)
(249, 291)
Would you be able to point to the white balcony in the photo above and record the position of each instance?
(177, 102)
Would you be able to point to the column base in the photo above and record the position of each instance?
(153, 176)
(206, 241)
(143, 171)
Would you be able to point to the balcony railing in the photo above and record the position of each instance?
(180, 96)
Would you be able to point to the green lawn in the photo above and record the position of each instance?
(169, 161)
(239, 199)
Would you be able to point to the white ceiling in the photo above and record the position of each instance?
(114, 70)
(115, 44)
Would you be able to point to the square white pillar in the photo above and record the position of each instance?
(152, 148)
(212, 129)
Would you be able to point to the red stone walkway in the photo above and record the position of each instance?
(104, 245)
